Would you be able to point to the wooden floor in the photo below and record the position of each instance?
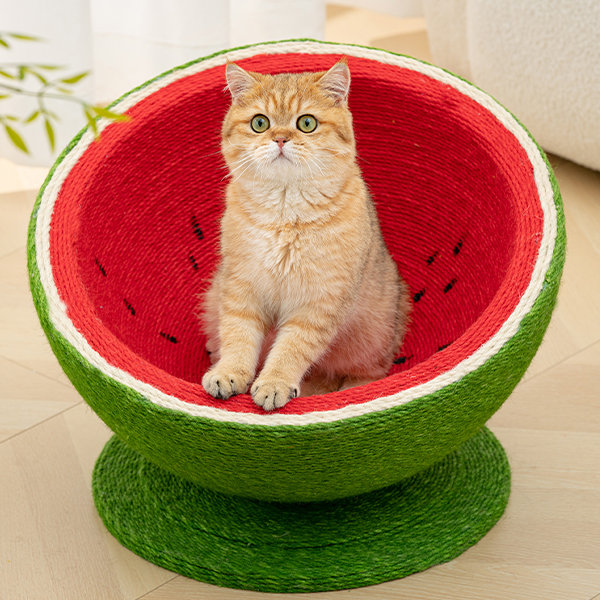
(546, 547)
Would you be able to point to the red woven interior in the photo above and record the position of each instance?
(135, 228)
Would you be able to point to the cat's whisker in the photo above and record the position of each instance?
(320, 169)
(313, 175)
(209, 154)
(254, 181)
(302, 158)
(236, 179)
(242, 162)
(308, 164)
(317, 161)
(260, 169)
(247, 161)
(319, 164)
(310, 171)
(245, 156)
(256, 158)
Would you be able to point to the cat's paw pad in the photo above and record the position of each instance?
(222, 383)
(273, 393)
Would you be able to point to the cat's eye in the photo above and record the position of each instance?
(306, 123)
(259, 123)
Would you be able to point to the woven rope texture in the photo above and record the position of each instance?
(134, 252)
(124, 234)
(428, 519)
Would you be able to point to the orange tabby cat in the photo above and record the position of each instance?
(304, 275)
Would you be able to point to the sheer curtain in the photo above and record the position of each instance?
(125, 42)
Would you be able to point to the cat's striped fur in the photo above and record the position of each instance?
(305, 283)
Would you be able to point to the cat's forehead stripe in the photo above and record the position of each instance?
(287, 93)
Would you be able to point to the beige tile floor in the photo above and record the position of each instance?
(546, 547)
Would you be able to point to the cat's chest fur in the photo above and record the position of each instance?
(286, 239)
(284, 251)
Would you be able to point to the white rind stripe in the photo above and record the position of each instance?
(57, 308)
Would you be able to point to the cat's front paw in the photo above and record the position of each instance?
(273, 393)
(222, 382)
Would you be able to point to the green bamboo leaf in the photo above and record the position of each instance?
(24, 37)
(11, 118)
(101, 111)
(65, 91)
(91, 121)
(50, 67)
(39, 76)
(4, 43)
(16, 139)
(4, 96)
(6, 74)
(33, 116)
(75, 78)
(50, 134)
(22, 71)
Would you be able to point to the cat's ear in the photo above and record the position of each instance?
(238, 80)
(336, 81)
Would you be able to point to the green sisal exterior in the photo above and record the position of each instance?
(270, 547)
(309, 462)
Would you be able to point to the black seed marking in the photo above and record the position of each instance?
(194, 263)
(129, 307)
(99, 265)
(170, 338)
(457, 247)
(419, 295)
(402, 359)
(433, 257)
(442, 347)
(197, 229)
(449, 286)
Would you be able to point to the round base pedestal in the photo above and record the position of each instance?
(424, 520)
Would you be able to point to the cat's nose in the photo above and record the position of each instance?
(280, 141)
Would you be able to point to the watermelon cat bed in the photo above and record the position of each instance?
(332, 491)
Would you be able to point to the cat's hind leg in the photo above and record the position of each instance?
(352, 382)
(316, 383)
